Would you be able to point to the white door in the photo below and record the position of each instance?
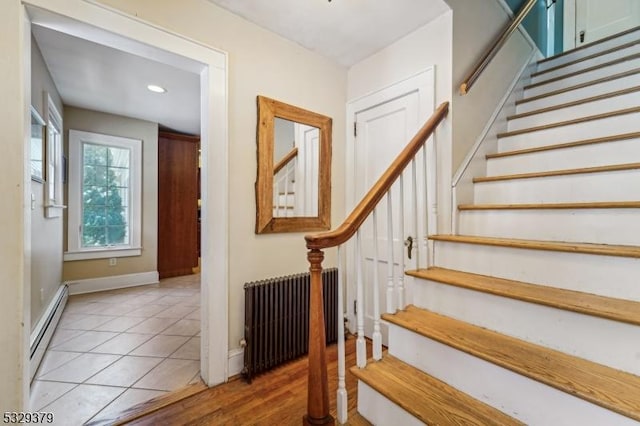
(383, 127)
(307, 183)
(596, 19)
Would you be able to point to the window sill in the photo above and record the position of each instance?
(102, 253)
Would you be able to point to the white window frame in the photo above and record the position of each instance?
(134, 248)
(54, 196)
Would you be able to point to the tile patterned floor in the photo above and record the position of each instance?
(115, 349)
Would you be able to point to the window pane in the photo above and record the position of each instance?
(117, 235)
(94, 236)
(119, 177)
(94, 154)
(105, 195)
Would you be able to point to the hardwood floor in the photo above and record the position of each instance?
(278, 397)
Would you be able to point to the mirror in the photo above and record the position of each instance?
(293, 188)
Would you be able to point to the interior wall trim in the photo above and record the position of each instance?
(92, 285)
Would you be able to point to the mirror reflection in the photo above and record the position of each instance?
(293, 185)
(295, 169)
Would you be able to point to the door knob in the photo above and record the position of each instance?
(409, 245)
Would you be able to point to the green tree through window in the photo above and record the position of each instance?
(105, 189)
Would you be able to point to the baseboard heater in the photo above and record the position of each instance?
(44, 329)
(277, 319)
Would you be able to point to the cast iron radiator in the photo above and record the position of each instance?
(276, 326)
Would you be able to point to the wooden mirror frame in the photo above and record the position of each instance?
(268, 110)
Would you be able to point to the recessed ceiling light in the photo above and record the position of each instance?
(157, 89)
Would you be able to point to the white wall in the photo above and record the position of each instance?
(260, 63)
(46, 233)
(430, 45)
(14, 223)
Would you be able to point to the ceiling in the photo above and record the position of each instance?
(95, 76)
(345, 31)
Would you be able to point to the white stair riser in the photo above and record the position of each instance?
(619, 124)
(598, 60)
(379, 410)
(582, 93)
(614, 103)
(587, 51)
(604, 275)
(597, 154)
(561, 330)
(599, 226)
(583, 77)
(579, 188)
(527, 400)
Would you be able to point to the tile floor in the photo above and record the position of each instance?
(115, 349)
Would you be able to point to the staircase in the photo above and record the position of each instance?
(531, 312)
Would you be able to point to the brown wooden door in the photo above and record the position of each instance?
(177, 204)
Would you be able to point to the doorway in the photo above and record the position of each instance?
(587, 21)
(99, 24)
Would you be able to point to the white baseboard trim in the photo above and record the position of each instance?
(236, 361)
(43, 331)
(92, 285)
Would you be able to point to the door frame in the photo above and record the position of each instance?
(424, 83)
(569, 32)
(92, 20)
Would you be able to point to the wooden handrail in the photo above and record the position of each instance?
(285, 160)
(317, 387)
(495, 47)
(351, 224)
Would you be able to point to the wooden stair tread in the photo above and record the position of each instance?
(425, 397)
(553, 206)
(579, 86)
(566, 172)
(613, 138)
(584, 70)
(583, 248)
(590, 304)
(593, 43)
(575, 103)
(601, 385)
(570, 122)
(586, 58)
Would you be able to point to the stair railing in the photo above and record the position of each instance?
(493, 49)
(283, 190)
(318, 396)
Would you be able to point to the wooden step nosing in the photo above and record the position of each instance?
(604, 96)
(564, 247)
(553, 206)
(588, 45)
(572, 387)
(432, 388)
(583, 71)
(587, 58)
(607, 139)
(579, 86)
(554, 173)
(597, 117)
(517, 290)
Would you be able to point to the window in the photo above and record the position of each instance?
(104, 196)
(53, 189)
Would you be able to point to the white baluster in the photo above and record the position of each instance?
(377, 334)
(403, 263)
(390, 257)
(361, 346)
(286, 190)
(341, 394)
(416, 231)
(276, 199)
(427, 206)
